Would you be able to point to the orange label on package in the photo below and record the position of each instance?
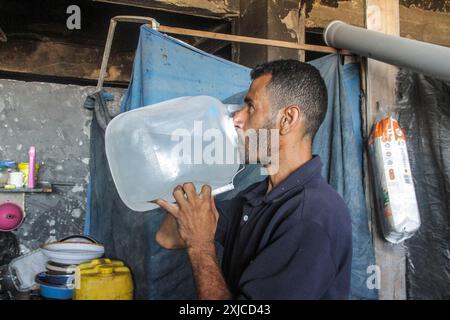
(388, 130)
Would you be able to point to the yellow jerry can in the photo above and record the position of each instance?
(103, 279)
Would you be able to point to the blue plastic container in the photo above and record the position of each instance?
(53, 291)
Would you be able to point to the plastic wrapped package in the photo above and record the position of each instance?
(394, 186)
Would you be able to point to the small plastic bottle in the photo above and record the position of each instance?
(31, 167)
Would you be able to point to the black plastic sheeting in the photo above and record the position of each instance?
(424, 115)
(9, 247)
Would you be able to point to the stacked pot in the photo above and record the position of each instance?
(57, 282)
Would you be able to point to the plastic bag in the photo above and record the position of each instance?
(24, 269)
(9, 247)
(394, 186)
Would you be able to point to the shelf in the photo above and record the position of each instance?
(43, 187)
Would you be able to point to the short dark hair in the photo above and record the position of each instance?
(296, 83)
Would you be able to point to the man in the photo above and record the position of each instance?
(288, 237)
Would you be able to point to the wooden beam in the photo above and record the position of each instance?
(217, 9)
(301, 35)
(423, 25)
(416, 23)
(62, 60)
(243, 39)
(382, 16)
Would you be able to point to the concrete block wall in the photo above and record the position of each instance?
(51, 117)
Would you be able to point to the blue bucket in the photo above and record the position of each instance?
(53, 291)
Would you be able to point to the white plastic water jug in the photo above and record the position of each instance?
(152, 149)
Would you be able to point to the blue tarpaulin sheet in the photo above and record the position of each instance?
(166, 68)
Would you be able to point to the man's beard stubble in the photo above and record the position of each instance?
(259, 146)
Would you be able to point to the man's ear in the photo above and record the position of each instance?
(290, 116)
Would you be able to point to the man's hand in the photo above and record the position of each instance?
(196, 217)
(195, 214)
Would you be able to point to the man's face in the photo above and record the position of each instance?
(256, 112)
(255, 118)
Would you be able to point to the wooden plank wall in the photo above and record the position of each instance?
(382, 16)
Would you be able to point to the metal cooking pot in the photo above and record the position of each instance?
(57, 279)
(55, 268)
(53, 291)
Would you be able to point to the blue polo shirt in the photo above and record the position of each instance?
(294, 242)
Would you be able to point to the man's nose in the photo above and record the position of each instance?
(239, 118)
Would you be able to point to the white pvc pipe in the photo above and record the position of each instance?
(422, 57)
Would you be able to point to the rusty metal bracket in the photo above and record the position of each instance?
(112, 27)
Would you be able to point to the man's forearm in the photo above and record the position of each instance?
(207, 274)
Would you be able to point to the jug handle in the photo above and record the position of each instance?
(223, 189)
(227, 187)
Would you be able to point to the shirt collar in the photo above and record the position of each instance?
(296, 180)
